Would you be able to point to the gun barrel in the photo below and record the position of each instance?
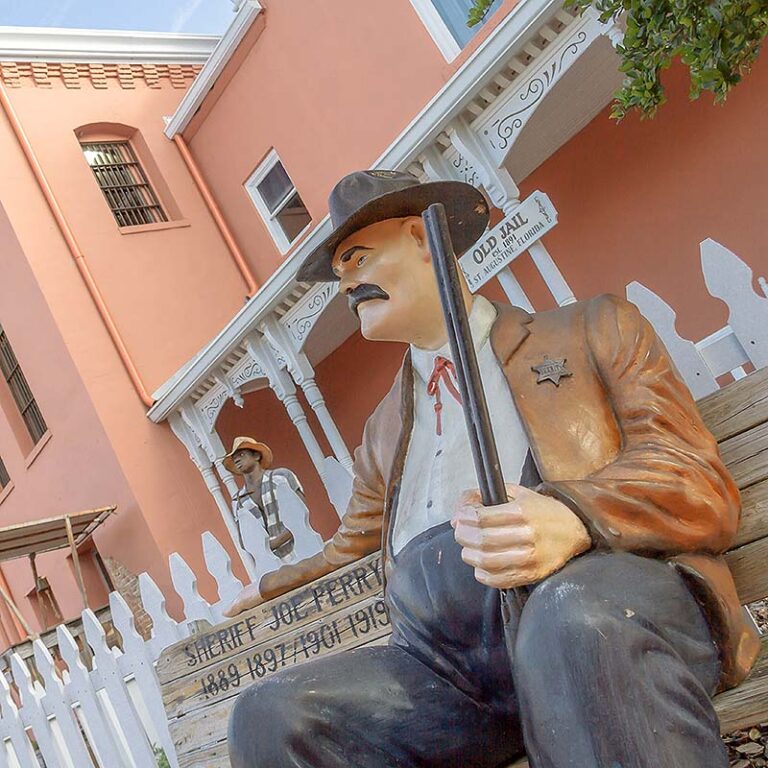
(481, 439)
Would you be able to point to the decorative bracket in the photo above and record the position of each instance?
(496, 181)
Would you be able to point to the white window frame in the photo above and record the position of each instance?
(437, 28)
(270, 218)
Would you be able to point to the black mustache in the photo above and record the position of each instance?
(365, 292)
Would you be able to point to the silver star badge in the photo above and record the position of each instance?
(551, 370)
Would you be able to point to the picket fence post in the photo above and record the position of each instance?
(165, 631)
(684, 354)
(112, 679)
(295, 515)
(728, 278)
(744, 339)
(219, 566)
(13, 728)
(58, 700)
(136, 661)
(100, 733)
(32, 712)
(185, 583)
(338, 482)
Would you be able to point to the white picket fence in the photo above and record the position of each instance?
(107, 715)
(110, 714)
(743, 340)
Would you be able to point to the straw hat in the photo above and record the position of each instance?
(248, 443)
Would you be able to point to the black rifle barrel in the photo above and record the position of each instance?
(481, 440)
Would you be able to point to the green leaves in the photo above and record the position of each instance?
(717, 41)
(478, 12)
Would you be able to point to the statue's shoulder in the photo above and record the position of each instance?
(593, 309)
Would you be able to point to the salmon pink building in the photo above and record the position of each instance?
(161, 190)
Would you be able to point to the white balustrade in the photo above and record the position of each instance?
(743, 340)
(295, 515)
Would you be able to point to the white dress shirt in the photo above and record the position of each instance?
(438, 467)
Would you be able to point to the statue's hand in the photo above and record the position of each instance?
(520, 542)
(249, 597)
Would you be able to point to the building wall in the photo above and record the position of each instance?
(168, 290)
(329, 86)
(76, 469)
(636, 199)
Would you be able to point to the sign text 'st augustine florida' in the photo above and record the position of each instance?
(508, 239)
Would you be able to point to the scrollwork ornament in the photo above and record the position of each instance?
(301, 325)
(523, 102)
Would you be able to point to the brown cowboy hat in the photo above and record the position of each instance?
(248, 443)
(367, 197)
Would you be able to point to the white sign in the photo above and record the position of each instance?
(508, 239)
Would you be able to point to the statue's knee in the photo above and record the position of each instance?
(562, 616)
(260, 724)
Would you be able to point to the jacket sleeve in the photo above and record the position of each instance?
(667, 491)
(360, 531)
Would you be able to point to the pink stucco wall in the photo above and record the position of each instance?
(169, 291)
(636, 199)
(77, 468)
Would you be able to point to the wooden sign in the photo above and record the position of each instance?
(200, 676)
(533, 218)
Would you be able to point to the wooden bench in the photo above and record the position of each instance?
(201, 676)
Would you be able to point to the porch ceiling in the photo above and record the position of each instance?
(582, 93)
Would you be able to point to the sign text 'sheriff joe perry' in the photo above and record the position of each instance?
(342, 610)
(529, 222)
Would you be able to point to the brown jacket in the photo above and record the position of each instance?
(620, 442)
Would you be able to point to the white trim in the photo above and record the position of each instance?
(103, 46)
(270, 217)
(509, 36)
(228, 44)
(437, 28)
(452, 99)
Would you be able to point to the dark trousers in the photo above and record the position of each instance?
(612, 667)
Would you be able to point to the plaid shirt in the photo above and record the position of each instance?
(262, 503)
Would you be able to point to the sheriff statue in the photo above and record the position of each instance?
(618, 514)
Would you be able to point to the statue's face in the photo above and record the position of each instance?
(386, 273)
(246, 460)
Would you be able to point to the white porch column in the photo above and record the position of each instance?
(304, 375)
(285, 391)
(553, 277)
(203, 458)
(505, 195)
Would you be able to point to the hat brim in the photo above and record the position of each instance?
(465, 208)
(250, 445)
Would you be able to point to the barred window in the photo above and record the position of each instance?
(123, 182)
(20, 390)
(5, 478)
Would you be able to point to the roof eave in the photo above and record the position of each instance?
(247, 14)
(85, 46)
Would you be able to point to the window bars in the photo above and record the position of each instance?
(20, 390)
(123, 182)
